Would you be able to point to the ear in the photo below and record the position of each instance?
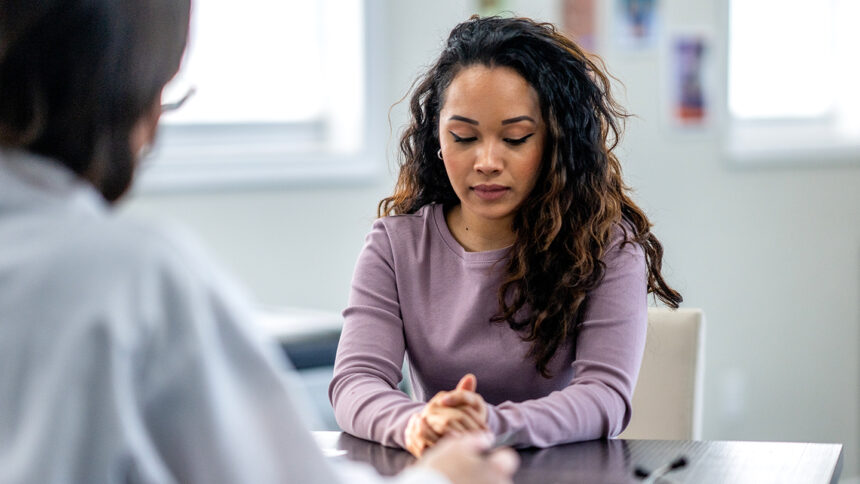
(143, 132)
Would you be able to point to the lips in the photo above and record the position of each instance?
(490, 192)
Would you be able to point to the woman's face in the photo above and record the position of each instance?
(492, 137)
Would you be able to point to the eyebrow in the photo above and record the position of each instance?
(517, 119)
(464, 119)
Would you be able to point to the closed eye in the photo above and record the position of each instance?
(518, 141)
(458, 139)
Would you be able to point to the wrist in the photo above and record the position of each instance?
(412, 435)
(494, 420)
(409, 431)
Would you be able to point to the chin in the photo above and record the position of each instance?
(493, 213)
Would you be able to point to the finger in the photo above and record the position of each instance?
(472, 413)
(442, 419)
(416, 447)
(442, 424)
(411, 434)
(469, 417)
(470, 424)
(456, 426)
(469, 382)
(417, 436)
(463, 419)
(437, 425)
(475, 417)
(426, 430)
(504, 460)
(437, 400)
(462, 397)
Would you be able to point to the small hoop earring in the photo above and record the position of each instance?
(439, 153)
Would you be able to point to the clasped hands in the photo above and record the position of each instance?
(454, 412)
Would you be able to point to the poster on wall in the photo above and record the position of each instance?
(489, 8)
(690, 87)
(579, 22)
(636, 23)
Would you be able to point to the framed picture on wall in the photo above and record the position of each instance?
(580, 22)
(689, 92)
(636, 23)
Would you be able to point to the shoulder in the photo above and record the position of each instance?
(173, 287)
(133, 245)
(622, 247)
(160, 264)
(410, 222)
(403, 240)
(405, 229)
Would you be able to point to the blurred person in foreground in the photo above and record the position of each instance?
(125, 354)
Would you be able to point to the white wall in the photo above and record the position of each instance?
(771, 254)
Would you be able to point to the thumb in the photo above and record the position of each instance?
(469, 383)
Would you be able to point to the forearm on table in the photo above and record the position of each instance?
(583, 411)
(369, 408)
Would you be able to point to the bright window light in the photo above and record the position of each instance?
(847, 46)
(792, 81)
(254, 61)
(281, 93)
(782, 58)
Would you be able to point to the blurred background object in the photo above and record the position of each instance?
(758, 208)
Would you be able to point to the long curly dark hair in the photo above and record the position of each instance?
(564, 226)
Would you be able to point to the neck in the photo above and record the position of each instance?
(478, 234)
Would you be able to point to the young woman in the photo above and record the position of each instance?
(125, 354)
(510, 252)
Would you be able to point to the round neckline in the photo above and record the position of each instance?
(494, 255)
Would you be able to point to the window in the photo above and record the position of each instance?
(283, 93)
(792, 80)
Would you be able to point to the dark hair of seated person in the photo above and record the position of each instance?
(565, 225)
(79, 104)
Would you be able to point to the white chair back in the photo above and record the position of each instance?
(667, 401)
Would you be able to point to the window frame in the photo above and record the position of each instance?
(782, 142)
(274, 154)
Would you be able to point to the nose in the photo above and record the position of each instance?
(489, 161)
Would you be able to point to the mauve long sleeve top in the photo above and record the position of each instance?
(417, 292)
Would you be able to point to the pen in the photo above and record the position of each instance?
(652, 477)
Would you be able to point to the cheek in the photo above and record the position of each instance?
(456, 170)
(531, 168)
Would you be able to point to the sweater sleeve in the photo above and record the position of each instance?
(609, 347)
(363, 390)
